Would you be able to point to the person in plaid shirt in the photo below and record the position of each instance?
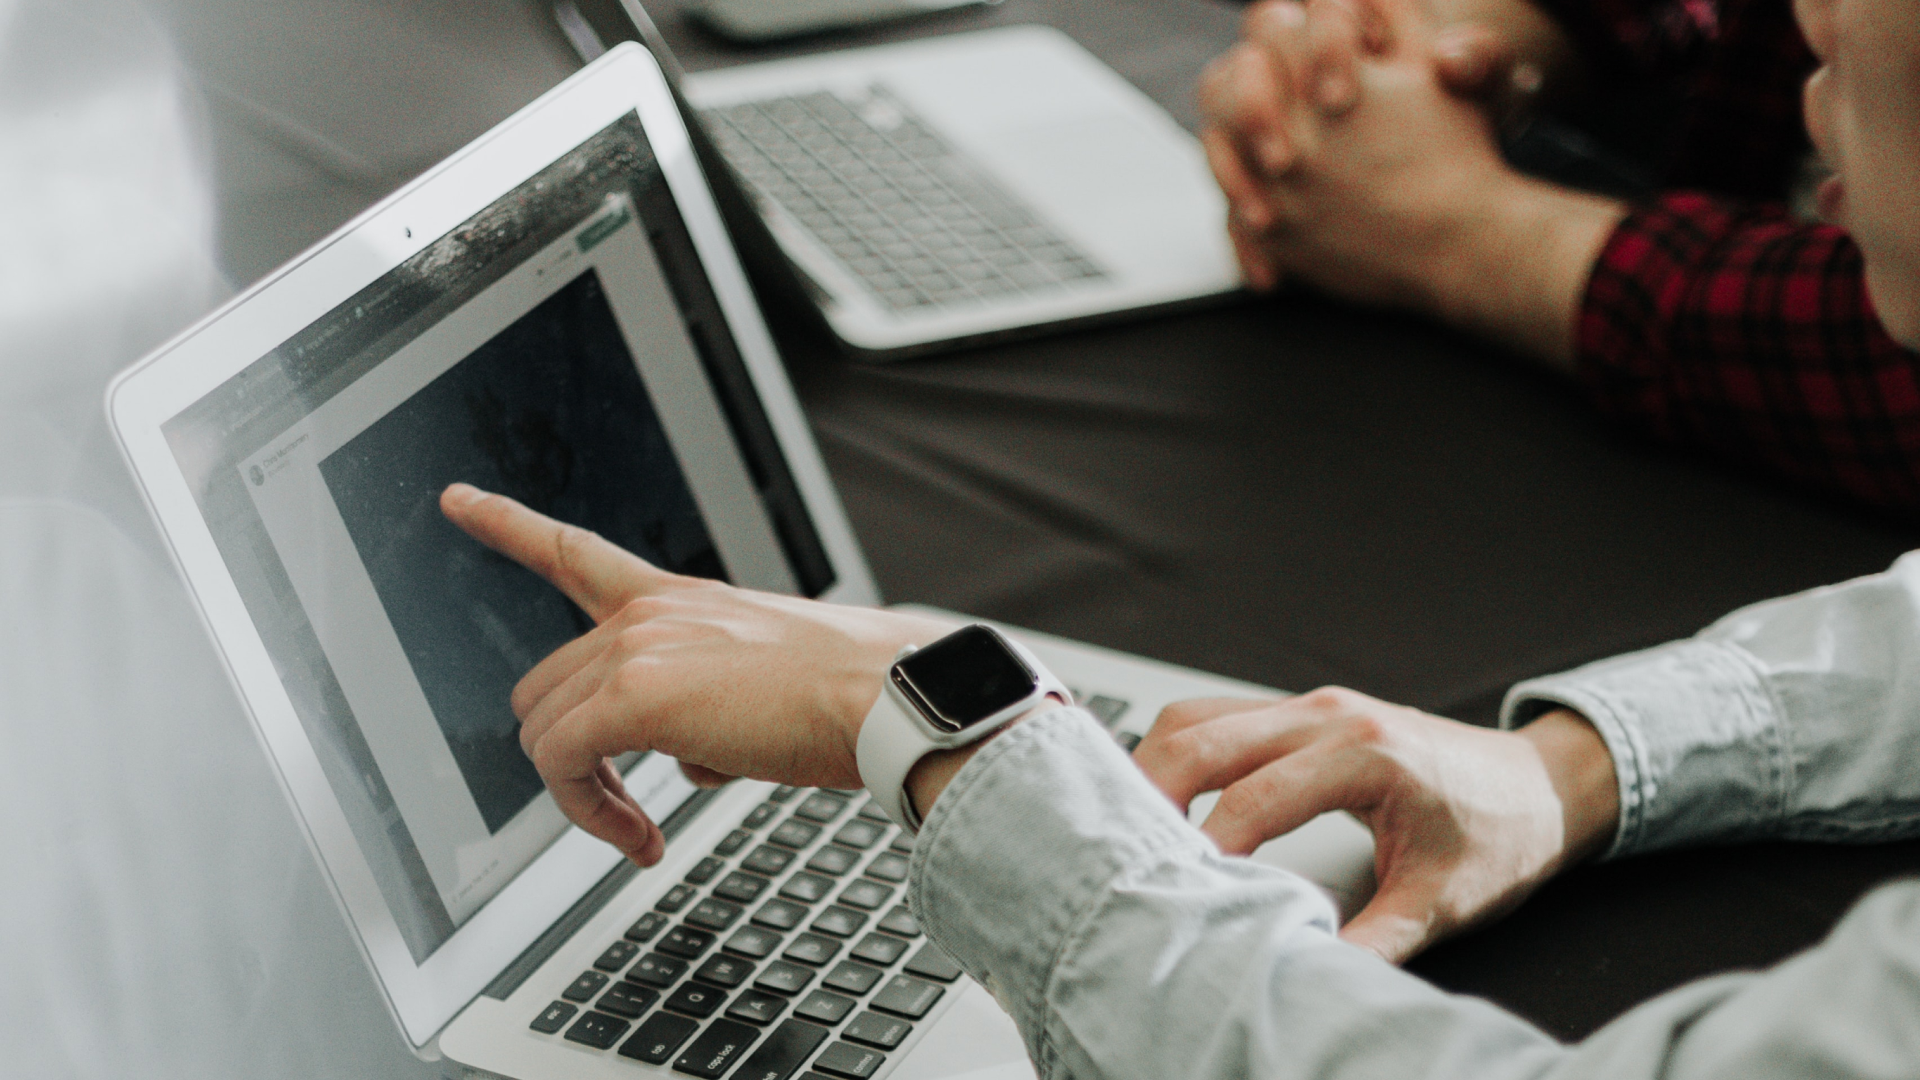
(1708, 315)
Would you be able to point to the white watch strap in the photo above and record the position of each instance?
(890, 743)
(893, 737)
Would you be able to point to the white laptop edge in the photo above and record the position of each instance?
(425, 997)
(1186, 260)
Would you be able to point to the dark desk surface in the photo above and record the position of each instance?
(1297, 494)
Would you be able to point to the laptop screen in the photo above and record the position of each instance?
(563, 347)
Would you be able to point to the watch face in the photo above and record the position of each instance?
(964, 678)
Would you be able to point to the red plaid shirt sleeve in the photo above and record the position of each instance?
(1742, 331)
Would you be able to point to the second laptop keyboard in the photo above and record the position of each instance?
(914, 219)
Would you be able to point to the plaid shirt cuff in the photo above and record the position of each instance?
(1736, 329)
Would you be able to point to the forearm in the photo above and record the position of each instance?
(1798, 718)
(1125, 946)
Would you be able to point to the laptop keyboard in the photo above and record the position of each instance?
(916, 221)
(789, 946)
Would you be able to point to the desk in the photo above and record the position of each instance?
(1295, 493)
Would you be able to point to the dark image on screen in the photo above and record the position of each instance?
(551, 412)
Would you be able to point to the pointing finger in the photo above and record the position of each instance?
(597, 575)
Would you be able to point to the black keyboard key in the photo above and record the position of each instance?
(793, 833)
(907, 996)
(785, 1050)
(696, 999)
(676, 898)
(717, 1048)
(584, 987)
(744, 888)
(849, 1061)
(767, 860)
(618, 955)
(820, 807)
(780, 914)
(780, 977)
(752, 942)
(860, 833)
(711, 914)
(727, 971)
(628, 1000)
(647, 926)
(888, 866)
(825, 1007)
(872, 812)
(932, 962)
(880, 949)
(734, 841)
(553, 1017)
(833, 860)
(685, 942)
(872, 1029)
(760, 816)
(902, 843)
(1107, 710)
(840, 922)
(754, 1007)
(597, 1030)
(704, 870)
(866, 895)
(811, 949)
(656, 970)
(784, 793)
(900, 921)
(852, 978)
(1128, 741)
(806, 888)
(655, 1041)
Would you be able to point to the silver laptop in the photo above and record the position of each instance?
(555, 313)
(960, 188)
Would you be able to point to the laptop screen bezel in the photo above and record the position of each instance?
(424, 997)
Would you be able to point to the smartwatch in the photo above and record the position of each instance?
(958, 690)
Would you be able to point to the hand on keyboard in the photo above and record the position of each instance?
(1466, 821)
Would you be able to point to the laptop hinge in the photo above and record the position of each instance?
(588, 906)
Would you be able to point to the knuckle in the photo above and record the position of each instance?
(570, 543)
(1331, 699)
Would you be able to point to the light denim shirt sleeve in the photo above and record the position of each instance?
(1127, 948)
(1797, 718)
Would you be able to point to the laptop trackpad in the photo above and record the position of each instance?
(974, 1040)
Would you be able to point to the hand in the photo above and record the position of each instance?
(1349, 163)
(729, 681)
(1466, 821)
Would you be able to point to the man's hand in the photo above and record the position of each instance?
(729, 681)
(1466, 821)
(1350, 161)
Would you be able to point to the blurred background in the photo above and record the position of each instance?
(159, 912)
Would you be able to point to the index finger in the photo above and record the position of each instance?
(599, 576)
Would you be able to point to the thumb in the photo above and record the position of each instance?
(1472, 61)
(1396, 924)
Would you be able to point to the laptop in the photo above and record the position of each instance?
(555, 313)
(956, 189)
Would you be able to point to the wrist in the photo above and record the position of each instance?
(932, 773)
(1581, 770)
(1516, 264)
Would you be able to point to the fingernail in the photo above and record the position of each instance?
(1527, 78)
(1466, 63)
(463, 495)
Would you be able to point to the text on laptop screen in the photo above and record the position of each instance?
(562, 347)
